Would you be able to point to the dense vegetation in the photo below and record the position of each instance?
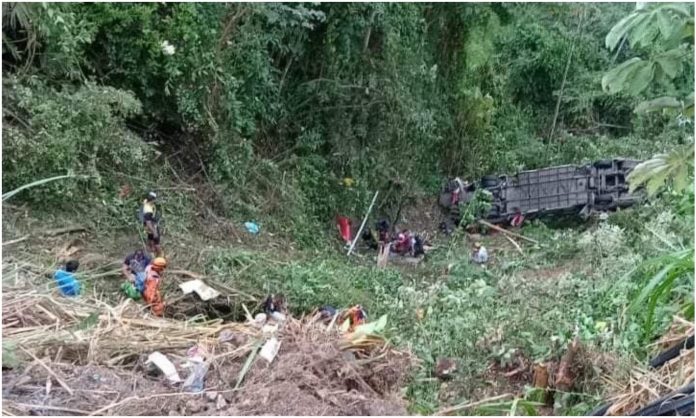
(268, 106)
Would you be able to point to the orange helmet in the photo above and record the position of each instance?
(159, 263)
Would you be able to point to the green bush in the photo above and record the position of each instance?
(82, 130)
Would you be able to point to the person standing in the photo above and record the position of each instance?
(150, 222)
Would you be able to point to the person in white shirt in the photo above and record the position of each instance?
(480, 254)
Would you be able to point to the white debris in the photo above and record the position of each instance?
(270, 349)
(167, 367)
(203, 291)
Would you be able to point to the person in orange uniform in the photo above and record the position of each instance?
(151, 293)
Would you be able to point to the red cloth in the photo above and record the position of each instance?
(343, 224)
(455, 196)
(403, 243)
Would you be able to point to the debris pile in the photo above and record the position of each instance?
(84, 356)
(666, 387)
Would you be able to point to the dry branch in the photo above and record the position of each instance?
(468, 405)
(61, 231)
(506, 232)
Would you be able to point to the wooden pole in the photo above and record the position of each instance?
(355, 240)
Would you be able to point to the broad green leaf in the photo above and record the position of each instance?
(671, 62)
(656, 105)
(620, 29)
(666, 24)
(640, 79)
(372, 327)
(643, 33)
(655, 172)
(679, 8)
(614, 80)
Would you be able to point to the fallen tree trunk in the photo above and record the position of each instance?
(61, 231)
(506, 232)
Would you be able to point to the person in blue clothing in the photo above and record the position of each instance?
(134, 268)
(65, 279)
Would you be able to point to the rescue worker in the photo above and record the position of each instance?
(65, 279)
(480, 254)
(153, 278)
(149, 211)
(133, 270)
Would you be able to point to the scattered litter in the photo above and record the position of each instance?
(278, 317)
(196, 353)
(225, 336)
(252, 227)
(221, 402)
(203, 291)
(270, 349)
(269, 329)
(195, 381)
(445, 368)
(163, 364)
(260, 318)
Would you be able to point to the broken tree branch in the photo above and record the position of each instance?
(468, 405)
(61, 231)
(15, 241)
(506, 232)
(51, 372)
(515, 244)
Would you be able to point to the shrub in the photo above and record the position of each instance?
(81, 130)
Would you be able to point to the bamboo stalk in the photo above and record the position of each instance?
(357, 236)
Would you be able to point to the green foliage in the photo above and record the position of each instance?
(666, 32)
(9, 355)
(73, 130)
(479, 206)
(673, 280)
(675, 167)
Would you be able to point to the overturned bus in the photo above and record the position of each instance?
(583, 189)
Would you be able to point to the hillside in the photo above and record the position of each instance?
(289, 115)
